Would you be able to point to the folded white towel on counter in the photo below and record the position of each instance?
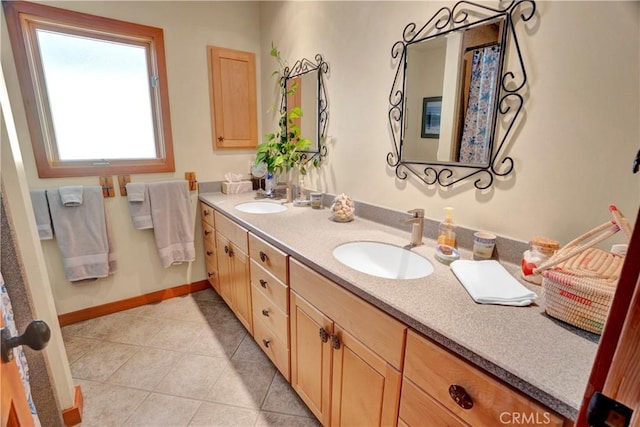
(71, 195)
(139, 205)
(173, 222)
(81, 234)
(41, 212)
(488, 282)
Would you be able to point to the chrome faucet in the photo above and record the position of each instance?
(417, 226)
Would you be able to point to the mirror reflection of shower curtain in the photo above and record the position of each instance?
(476, 136)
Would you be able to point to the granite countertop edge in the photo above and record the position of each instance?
(557, 403)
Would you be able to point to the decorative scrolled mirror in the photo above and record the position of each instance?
(452, 93)
(306, 80)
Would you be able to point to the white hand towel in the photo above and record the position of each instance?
(173, 222)
(71, 195)
(41, 212)
(139, 206)
(81, 234)
(488, 282)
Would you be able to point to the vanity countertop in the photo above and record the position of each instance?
(544, 358)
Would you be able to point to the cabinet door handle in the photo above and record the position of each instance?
(205, 212)
(460, 396)
(228, 250)
(324, 335)
(207, 232)
(211, 274)
(209, 253)
(265, 312)
(266, 342)
(221, 138)
(263, 283)
(263, 257)
(335, 342)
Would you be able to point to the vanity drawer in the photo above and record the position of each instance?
(212, 276)
(210, 255)
(267, 313)
(418, 409)
(206, 214)
(383, 334)
(434, 370)
(271, 287)
(273, 348)
(268, 257)
(208, 233)
(231, 231)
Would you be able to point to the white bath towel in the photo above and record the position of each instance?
(81, 234)
(139, 206)
(71, 195)
(173, 222)
(488, 282)
(41, 212)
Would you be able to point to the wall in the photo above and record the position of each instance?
(573, 146)
(188, 28)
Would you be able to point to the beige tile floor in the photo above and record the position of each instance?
(186, 361)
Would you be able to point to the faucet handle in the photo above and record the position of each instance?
(417, 213)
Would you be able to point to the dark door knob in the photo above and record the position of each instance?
(36, 336)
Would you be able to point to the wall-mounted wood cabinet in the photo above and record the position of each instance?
(232, 87)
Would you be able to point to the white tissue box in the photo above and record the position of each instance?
(237, 187)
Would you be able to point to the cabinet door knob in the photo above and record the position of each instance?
(263, 257)
(265, 312)
(36, 336)
(205, 212)
(209, 253)
(210, 274)
(207, 232)
(263, 283)
(266, 342)
(221, 138)
(324, 335)
(335, 342)
(460, 396)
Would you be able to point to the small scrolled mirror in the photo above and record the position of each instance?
(304, 87)
(451, 91)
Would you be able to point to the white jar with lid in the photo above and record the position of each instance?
(541, 250)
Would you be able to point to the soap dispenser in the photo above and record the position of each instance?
(446, 231)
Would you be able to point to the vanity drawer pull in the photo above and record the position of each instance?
(228, 251)
(335, 342)
(265, 312)
(209, 253)
(266, 342)
(263, 257)
(324, 335)
(460, 396)
(206, 212)
(211, 274)
(263, 283)
(207, 232)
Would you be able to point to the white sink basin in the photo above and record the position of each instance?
(261, 207)
(383, 260)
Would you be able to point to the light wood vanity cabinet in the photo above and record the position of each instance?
(233, 268)
(209, 240)
(346, 355)
(270, 296)
(430, 372)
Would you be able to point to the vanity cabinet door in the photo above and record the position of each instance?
(311, 356)
(233, 278)
(365, 388)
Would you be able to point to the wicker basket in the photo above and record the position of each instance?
(579, 281)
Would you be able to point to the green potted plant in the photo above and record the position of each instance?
(282, 150)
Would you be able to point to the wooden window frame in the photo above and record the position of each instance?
(22, 19)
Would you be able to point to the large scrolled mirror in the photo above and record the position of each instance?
(451, 91)
(304, 85)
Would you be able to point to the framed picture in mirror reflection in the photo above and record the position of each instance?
(431, 111)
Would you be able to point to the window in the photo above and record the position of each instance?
(95, 92)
